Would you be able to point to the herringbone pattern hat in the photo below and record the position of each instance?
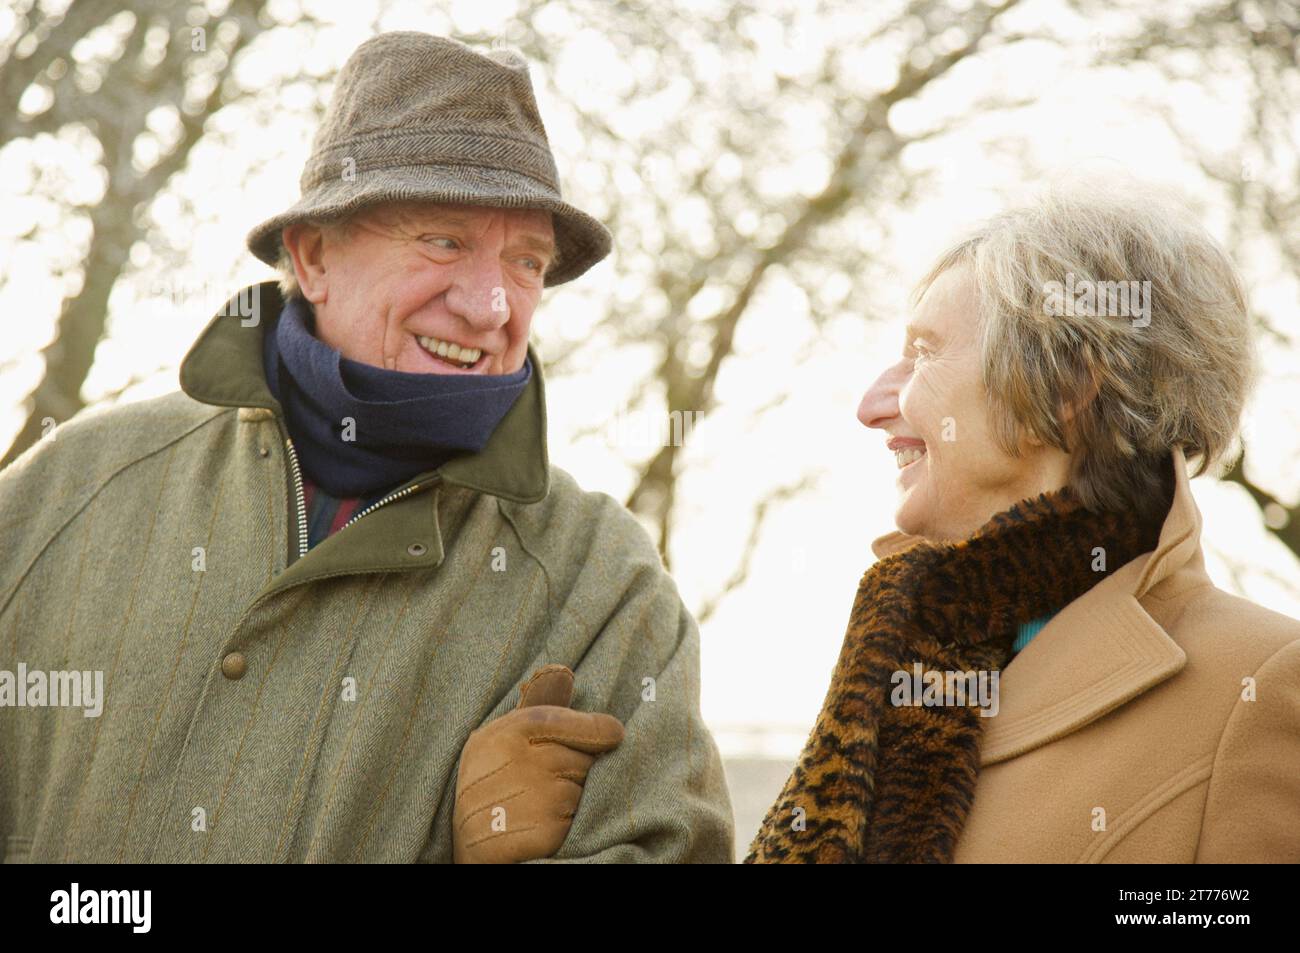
(416, 117)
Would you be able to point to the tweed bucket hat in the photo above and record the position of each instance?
(416, 117)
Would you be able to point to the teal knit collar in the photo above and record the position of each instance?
(1027, 630)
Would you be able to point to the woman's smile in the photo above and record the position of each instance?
(906, 451)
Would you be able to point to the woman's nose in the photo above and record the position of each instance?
(880, 403)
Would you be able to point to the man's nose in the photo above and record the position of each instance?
(880, 403)
(477, 292)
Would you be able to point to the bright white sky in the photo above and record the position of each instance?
(768, 652)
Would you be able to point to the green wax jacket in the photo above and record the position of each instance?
(264, 703)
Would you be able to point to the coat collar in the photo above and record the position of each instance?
(224, 367)
(1100, 651)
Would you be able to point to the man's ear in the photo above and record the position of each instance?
(306, 245)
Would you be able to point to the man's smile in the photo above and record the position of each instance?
(452, 358)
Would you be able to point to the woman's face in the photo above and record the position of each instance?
(932, 405)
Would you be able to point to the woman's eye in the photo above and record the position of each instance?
(921, 351)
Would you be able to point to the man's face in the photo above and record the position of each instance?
(416, 288)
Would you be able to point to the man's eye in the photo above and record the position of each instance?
(532, 263)
(920, 350)
(451, 243)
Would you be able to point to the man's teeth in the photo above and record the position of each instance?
(453, 352)
(909, 455)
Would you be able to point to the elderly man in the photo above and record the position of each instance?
(340, 558)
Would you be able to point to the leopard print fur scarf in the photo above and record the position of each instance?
(887, 782)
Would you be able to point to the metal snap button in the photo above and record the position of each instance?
(417, 549)
(234, 665)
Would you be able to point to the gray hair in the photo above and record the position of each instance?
(1180, 375)
(289, 287)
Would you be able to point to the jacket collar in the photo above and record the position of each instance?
(1099, 652)
(224, 367)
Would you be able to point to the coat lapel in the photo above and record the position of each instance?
(1099, 652)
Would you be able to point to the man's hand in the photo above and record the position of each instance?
(521, 776)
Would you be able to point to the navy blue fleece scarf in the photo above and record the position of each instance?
(404, 425)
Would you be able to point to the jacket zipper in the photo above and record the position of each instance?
(298, 498)
(396, 494)
(300, 501)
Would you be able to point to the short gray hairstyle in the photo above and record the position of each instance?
(1183, 379)
(289, 287)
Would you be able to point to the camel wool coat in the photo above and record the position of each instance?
(1155, 719)
(265, 702)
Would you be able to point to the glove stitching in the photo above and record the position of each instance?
(479, 780)
(496, 802)
(472, 844)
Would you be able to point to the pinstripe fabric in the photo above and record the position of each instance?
(102, 529)
(416, 117)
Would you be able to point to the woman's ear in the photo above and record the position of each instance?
(1080, 401)
(305, 244)
(1075, 404)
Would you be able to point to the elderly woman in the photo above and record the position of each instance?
(1037, 668)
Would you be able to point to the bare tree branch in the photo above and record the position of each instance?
(765, 506)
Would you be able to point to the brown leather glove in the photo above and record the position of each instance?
(521, 776)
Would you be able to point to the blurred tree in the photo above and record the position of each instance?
(777, 156)
(142, 79)
(740, 147)
(1256, 42)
